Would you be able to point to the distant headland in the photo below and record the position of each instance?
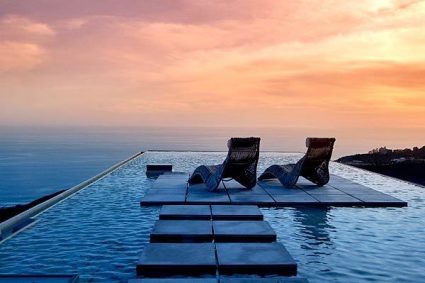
(405, 164)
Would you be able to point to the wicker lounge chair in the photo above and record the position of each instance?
(313, 166)
(240, 165)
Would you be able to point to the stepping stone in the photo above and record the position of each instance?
(182, 258)
(178, 212)
(258, 258)
(260, 200)
(161, 199)
(182, 231)
(295, 200)
(264, 280)
(338, 200)
(243, 231)
(174, 280)
(236, 212)
(208, 198)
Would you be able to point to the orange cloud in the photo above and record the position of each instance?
(273, 63)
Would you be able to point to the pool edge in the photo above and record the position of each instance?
(7, 226)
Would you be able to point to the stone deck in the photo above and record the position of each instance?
(174, 189)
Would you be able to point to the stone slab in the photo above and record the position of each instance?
(243, 231)
(176, 212)
(208, 198)
(338, 200)
(236, 212)
(257, 258)
(260, 200)
(159, 259)
(381, 200)
(264, 280)
(295, 200)
(182, 231)
(202, 189)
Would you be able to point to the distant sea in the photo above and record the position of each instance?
(38, 161)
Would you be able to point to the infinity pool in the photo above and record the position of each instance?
(100, 232)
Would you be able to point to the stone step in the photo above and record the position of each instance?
(194, 259)
(181, 258)
(194, 231)
(205, 212)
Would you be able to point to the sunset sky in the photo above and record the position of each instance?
(213, 63)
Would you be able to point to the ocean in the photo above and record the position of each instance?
(36, 161)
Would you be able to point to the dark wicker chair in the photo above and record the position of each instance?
(314, 166)
(240, 165)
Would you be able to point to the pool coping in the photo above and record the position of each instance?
(6, 227)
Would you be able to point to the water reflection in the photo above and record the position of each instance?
(314, 225)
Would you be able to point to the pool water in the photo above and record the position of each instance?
(101, 231)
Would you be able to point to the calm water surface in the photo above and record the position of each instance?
(100, 232)
(39, 161)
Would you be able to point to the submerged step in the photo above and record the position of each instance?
(181, 258)
(197, 231)
(236, 212)
(243, 231)
(257, 258)
(176, 212)
(182, 231)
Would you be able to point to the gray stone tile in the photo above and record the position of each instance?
(264, 280)
(243, 231)
(337, 200)
(295, 200)
(381, 200)
(202, 189)
(260, 200)
(182, 258)
(234, 187)
(161, 199)
(325, 190)
(170, 181)
(182, 231)
(269, 183)
(195, 212)
(208, 198)
(285, 191)
(257, 258)
(236, 212)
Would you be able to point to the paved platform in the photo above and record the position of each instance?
(174, 189)
(162, 259)
(198, 231)
(207, 212)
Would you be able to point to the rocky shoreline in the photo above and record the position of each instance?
(9, 212)
(404, 164)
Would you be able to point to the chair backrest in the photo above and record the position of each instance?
(319, 151)
(243, 155)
